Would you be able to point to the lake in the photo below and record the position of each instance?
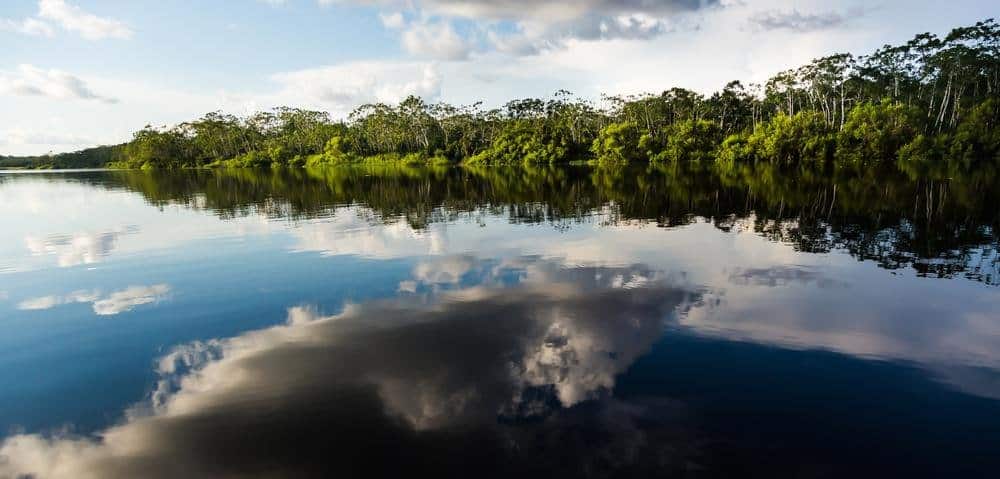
(380, 321)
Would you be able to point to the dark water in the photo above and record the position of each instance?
(501, 323)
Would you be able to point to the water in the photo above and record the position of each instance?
(566, 322)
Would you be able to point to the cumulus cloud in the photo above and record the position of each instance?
(75, 19)
(533, 38)
(29, 80)
(598, 20)
(70, 18)
(526, 26)
(802, 22)
(393, 386)
(115, 303)
(436, 40)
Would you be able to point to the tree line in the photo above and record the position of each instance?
(96, 157)
(940, 228)
(930, 104)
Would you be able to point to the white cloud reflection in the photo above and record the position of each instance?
(761, 291)
(127, 299)
(391, 367)
(78, 248)
(115, 303)
(46, 302)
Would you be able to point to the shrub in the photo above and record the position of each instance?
(689, 140)
(617, 143)
(802, 137)
(877, 131)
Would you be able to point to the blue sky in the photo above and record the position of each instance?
(76, 73)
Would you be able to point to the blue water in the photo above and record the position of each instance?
(227, 326)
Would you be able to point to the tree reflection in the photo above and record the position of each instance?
(941, 224)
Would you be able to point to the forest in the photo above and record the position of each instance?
(928, 106)
(97, 157)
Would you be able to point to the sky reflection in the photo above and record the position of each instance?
(426, 374)
(359, 338)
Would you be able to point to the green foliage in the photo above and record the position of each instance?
(253, 159)
(734, 148)
(921, 156)
(689, 140)
(522, 143)
(617, 143)
(152, 148)
(875, 132)
(96, 157)
(803, 137)
(336, 151)
(977, 137)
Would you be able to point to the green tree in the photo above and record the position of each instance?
(617, 143)
(876, 131)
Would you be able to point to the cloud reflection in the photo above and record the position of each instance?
(79, 248)
(51, 301)
(956, 337)
(484, 376)
(353, 233)
(115, 303)
(782, 275)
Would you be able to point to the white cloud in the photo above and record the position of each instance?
(128, 299)
(44, 302)
(28, 26)
(47, 302)
(74, 19)
(29, 80)
(528, 26)
(436, 40)
(115, 303)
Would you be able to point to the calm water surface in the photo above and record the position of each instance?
(558, 322)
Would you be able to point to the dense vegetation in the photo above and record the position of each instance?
(930, 105)
(96, 157)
